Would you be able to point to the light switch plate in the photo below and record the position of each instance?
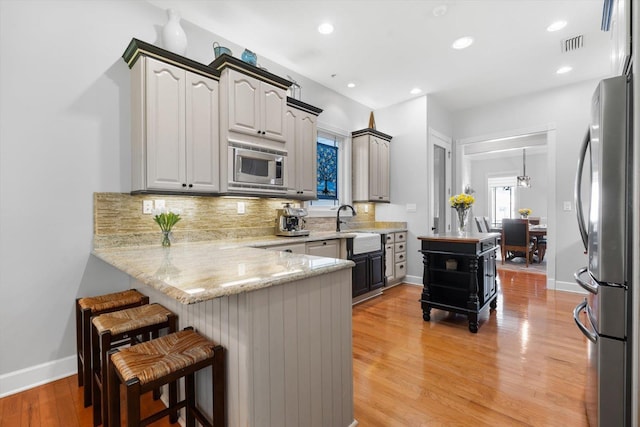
(240, 207)
(567, 206)
(411, 207)
(159, 204)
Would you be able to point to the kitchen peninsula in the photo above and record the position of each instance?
(284, 319)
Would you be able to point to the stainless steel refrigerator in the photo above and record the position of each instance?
(606, 160)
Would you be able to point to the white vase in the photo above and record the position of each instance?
(173, 36)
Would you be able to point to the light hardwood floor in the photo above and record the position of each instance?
(525, 366)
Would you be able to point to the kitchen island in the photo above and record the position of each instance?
(459, 274)
(284, 320)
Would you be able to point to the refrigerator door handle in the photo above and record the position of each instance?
(577, 190)
(591, 336)
(588, 286)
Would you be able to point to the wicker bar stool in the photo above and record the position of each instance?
(88, 307)
(161, 361)
(119, 328)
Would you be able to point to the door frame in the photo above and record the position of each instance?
(550, 131)
(444, 141)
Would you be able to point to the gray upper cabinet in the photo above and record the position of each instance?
(174, 128)
(370, 166)
(255, 108)
(302, 139)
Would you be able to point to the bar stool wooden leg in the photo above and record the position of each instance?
(86, 355)
(219, 387)
(79, 343)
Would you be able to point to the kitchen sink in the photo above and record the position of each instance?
(366, 242)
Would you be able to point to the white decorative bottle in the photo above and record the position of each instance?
(173, 36)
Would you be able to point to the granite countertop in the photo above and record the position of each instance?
(198, 271)
(195, 272)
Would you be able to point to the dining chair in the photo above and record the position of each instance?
(515, 239)
(480, 225)
(485, 219)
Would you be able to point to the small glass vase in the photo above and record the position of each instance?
(462, 219)
(166, 242)
(524, 216)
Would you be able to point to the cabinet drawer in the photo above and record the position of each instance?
(390, 238)
(400, 247)
(401, 269)
(401, 257)
(401, 237)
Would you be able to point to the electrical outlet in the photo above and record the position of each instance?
(412, 207)
(159, 204)
(366, 208)
(147, 206)
(567, 206)
(240, 207)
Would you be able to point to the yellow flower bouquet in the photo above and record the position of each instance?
(524, 212)
(462, 203)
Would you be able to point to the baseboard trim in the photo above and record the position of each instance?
(569, 287)
(412, 280)
(24, 379)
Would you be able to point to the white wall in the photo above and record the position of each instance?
(567, 111)
(408, 123)
(64, 134)
(534, 198)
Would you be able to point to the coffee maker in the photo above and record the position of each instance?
(290, 221)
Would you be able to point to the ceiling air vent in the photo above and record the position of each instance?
(571, 44)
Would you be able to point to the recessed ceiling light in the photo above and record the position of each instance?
(415, 91)
(351, 85)
(462, 42)
(440, 10)
(558, 25)
(564, 70)
(325, 28)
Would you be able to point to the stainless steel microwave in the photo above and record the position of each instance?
(257, 168)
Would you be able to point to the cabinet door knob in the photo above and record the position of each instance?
(258, 132)
(324, 243)
(263, 132)
(190, 185)
(379, 197)
(184, 185)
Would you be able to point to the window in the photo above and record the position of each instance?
(327, 169)
(334, 168)
(501, 194)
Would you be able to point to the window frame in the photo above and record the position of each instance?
(343, 139)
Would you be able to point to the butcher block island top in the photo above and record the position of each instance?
(196, 272)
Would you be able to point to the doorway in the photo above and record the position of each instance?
(502, 156)
(440, 167)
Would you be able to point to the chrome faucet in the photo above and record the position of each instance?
(338, 222)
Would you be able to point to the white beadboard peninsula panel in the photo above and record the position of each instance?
(289, 351)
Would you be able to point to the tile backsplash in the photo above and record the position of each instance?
(119, 221)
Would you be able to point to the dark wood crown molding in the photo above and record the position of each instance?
(292, 102)
(228, 61)
(139, 48)
(369, 131)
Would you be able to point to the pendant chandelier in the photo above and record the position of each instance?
(524, 180)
